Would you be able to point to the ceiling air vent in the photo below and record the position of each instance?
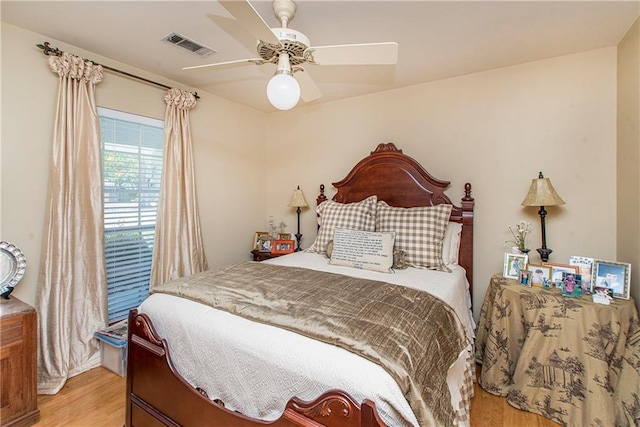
(190, 45)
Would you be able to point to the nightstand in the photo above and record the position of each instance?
(567, 359)
(261, 256)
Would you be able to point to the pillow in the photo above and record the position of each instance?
(451, 243)
(419, 232)
(367, 250)
(329, 248)
(399, 257)
(354, 216)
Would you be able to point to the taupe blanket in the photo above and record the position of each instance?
(413, 335)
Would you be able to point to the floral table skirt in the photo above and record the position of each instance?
(567, 359)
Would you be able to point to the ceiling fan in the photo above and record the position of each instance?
(290, 49)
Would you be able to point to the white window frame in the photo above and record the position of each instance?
(132, 223)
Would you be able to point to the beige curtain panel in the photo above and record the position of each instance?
(178, 250)
(71, 297)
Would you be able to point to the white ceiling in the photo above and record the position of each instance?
(437, 39)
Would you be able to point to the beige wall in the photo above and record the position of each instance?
(496, 130)
(628, 189)
(229, 151)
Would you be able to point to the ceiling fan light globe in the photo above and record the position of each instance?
(283, 91)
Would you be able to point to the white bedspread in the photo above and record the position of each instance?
(236, 360)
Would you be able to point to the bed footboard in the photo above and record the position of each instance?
(158, 396)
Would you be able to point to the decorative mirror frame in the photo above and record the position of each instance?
(12, 267)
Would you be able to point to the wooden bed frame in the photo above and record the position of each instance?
(158, 396)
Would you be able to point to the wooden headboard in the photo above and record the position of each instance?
(401, 181)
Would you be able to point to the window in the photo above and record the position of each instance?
(132, 153)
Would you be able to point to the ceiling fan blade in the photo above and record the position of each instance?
(249, 18)
(355, 54)
(235, 30)
(308, 89)
(229, 64)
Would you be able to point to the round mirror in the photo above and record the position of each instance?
(12, 267)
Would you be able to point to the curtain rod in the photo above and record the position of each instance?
(48, 50)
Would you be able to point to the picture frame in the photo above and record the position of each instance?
(256, 239)
(513, 263)
(284, 236)
(540, 275)
(265, 243)
(571, 285)
(281, 247)
(525, 277)
(613, 275)
(558, 269)
(585, 267)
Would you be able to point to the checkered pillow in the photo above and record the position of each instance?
(419, 232)
(354, 216)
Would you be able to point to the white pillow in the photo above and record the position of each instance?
(367, 250)
(451, 243)
(353, 216)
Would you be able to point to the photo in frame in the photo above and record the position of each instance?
(612, 275)
(284, 236)
(280, 247)
(585, 266)
(557, 270)
(540, 275)
(257, 237)
(513, 263)
(264, 243)
(571, 285)
(525, 277)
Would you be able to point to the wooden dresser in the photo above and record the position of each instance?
(18, 364)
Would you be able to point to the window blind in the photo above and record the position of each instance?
(132, 148)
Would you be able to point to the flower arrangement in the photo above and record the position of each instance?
(519, 233)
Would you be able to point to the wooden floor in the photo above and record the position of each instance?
(96, 399)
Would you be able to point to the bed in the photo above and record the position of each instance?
(189, 364)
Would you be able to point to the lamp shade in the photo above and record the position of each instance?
(297, 199)
(542, 193)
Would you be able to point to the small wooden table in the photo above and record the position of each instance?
(567, 359)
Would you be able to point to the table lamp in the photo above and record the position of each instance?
(541, 193)
(298, 201)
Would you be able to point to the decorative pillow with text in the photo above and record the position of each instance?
(367, 250)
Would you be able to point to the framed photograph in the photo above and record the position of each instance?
(585, 266)
(279, 247)
(612, 275)
(257, 237)
(513, 263)
(284, 236)
(558, 269)
(525, 277)
(264, 243)
(540, 275)
(571, 285)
